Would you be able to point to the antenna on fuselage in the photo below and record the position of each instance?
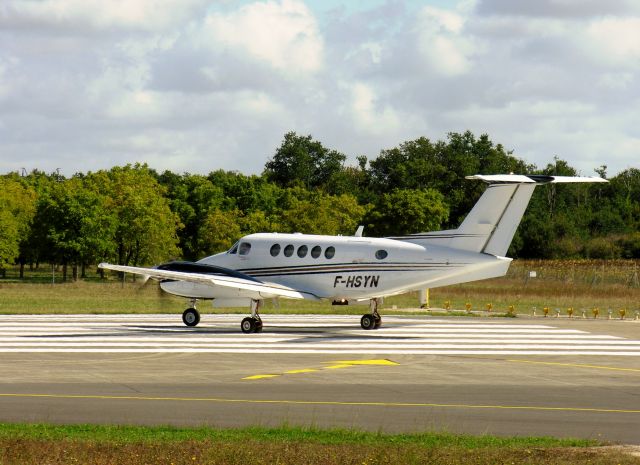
(359, 231)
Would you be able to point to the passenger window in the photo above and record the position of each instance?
(316, 251)
(302, 251)
(288, 250)
(275, 250)
(330, 252)
(233, 248)
(381, 254)
(245, 248)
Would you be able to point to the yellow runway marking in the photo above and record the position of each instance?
(320, 402)
(338, 365)
(383, 361)
(577, 365)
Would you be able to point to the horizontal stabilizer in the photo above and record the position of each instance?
(532, 178)
(491, 224)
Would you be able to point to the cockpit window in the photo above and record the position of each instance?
(245, 248)
(234, 248)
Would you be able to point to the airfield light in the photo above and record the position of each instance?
(557, 312)
(447, 305)
(512, 309)
(570, 312)
(545, 311)
(468, 305)
(489, 307)
(595, 312)
(623, 312)
(534, 310)
(609, 312)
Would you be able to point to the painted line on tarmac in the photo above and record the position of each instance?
(373, 351)
(577, 365)
(321, 402)
(336, 365)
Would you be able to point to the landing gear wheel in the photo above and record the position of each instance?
(251, 325)
(191, 317)
(378, 322)
(368, 321)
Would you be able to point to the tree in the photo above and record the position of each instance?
(79, 227)
(191, 197)
(421, 164)
(302, 160)
(17, 208)
(317, 213)
(219, 231)
(406, 211)
(146, 230)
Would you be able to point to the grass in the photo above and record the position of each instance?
(39, 444)
(559, 285)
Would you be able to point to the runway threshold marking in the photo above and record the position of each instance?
(577, 365)
(324, 402)
(338, 364)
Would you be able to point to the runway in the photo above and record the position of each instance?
(476, 375)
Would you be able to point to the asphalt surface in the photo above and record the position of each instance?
(523, 376)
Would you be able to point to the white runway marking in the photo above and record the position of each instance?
(299, 334)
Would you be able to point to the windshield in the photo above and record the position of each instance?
(234, 248)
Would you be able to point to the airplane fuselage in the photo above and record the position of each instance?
(343, 268)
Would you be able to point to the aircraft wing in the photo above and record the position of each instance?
(254, 288)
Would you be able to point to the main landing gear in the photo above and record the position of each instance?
(253, 323)
(191, 316)
(371, 320)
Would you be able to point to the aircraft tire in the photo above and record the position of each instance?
(368, 321)
(249, 325)
(191, 317)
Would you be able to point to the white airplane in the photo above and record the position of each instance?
(355, 269)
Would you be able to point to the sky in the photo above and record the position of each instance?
(200, 85)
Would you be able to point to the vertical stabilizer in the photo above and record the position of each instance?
(492, 222)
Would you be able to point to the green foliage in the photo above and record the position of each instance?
(17, 208)
(406, 211)
(300, 160)
(77, 225)
(146, 229)
(133, 215)
(322, 214)
(219, 231)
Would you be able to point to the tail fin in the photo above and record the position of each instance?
(492, 222)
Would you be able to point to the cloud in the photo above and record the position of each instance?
(441, 41)
(196, 85)
(284, 34)
(615, 41)
(562, 9)
(80, 16)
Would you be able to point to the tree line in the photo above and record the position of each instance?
(134, 215)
